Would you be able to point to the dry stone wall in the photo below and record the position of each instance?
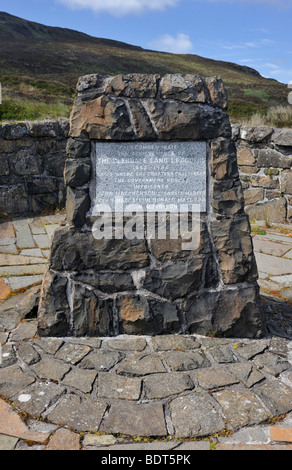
(32, 158)
(264, 157)
(33, 155)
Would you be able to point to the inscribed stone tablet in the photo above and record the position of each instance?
(145, 173)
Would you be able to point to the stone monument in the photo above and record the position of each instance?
(138, 143)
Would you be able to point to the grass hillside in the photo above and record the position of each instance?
(40, 66)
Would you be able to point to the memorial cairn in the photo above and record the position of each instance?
(157, 240)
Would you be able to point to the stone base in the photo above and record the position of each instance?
(111, 287)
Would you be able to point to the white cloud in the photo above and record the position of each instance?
(181, 44)
(278, 3)
(119, 7)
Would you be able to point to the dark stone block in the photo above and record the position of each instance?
(175, 280)
(77, 148)
(77, 251)
(77, 173)
(77, 205)
(109, 283)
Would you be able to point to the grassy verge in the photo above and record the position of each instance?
(14, 109)
(276, 116)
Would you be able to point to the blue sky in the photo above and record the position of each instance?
(256, 33)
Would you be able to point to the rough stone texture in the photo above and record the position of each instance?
(140, 420)
(222, 390)
(241, 408)
(31, 171)
(193, 416)
(264, 161)
(107, 287)
(80, 414)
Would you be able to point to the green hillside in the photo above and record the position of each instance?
(40, 66)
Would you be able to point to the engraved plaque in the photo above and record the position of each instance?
(151, 173)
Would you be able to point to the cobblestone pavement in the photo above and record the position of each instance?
(135, 392)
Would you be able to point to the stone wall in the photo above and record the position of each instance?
(264, 157)
(33, 154)
(106, 287)
(32, 158)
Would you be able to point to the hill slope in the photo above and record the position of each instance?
(42, 64)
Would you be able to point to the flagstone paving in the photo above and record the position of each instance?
(141, 393)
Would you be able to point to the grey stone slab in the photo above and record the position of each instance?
(24, 237)
(51, 369)
(50, 229)
(268, 285)
(215, 377)
(140, 364)
(13, 380)
(80, 379)
(241, 407)
(46, 253)
(289, 254)
(36, 227)
(262, 245)
(273, 265)
(131, 419)
(49, 345)
(7, 241)
(72, 353)
(32, 252)
(25, 330)
(277, 237)
(7, 357)
(19, 282)
(101, 360)
(27, 353)
(99, 441)
(126, 344)
(185, 360)
(130, 170)
(38, 398)
(175, 342)
(9, 249)
(276, 397)
(195, 445)
(251, 435)
(12, 260)
(116, 386)
(42, 241)
(23, 270)
(159, 386)
(285, 281)
(223, 354)
(271, 363)
(8, 442)
(279, 346)
(246, 373)
(250, 350)
(79, 414)
(193, 416)
(87, 341)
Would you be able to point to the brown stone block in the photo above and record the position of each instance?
(245, 156)
(223, 160)
(102, 118)
(271, 211)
